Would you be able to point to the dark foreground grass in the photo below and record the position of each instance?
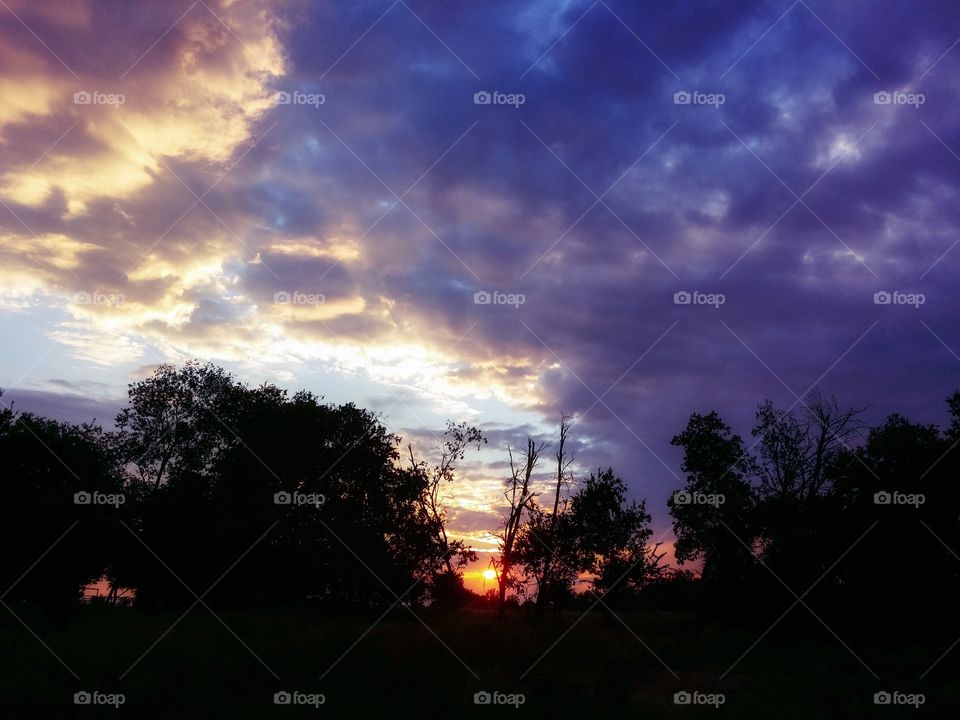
(576, 666)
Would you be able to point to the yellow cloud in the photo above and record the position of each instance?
(24, 96)
(314, 307)
(49, 249)
(202, 107)
(333, 248)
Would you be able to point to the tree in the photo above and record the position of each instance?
(296, 498)
(351, 515)
(519, 496)
(819, 505)
(953, 402)
(433, 501)
(60, 489)
(798, 451)
(595, 532)
(798, 512)
(613, 537)
(177, 419)
(547, 552)
(901, 558)
(178, 424)
(546, 546)
(712, 515)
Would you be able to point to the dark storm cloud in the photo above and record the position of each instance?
(798, 105)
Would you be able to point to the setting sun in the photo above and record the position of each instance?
(489, 574)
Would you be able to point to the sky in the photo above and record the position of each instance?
(496, 212)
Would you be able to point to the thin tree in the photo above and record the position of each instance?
(547, 578)
(433, 499)
(519, 497)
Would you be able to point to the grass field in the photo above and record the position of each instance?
(399, 668)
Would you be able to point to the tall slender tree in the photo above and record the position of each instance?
(519, 496)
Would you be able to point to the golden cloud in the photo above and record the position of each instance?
(201, 107)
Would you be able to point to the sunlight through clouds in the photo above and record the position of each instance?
(201, 106)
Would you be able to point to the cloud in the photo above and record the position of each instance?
(196, 97)
(70, 407)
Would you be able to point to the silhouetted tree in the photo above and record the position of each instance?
(547, 554)
(519, 496)
(269, 497)
(796, 464)
(596, 532)
(354, 516)
(446, 587)
(546, 545)
(901, 485)
(713, 514)
(872, 522)
(613, 535)
(60, 488)
(177, 420)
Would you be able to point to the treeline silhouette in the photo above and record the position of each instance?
(209, 488)
(846, 522)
